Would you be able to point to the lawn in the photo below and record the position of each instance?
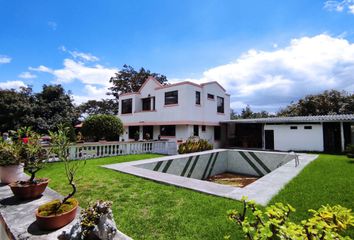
(144, 209)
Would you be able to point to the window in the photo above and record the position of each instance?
(203, 128)
(168, 130)
(197, 97)
(217, 133)
(146, 104)
(132, 131)
(210, 96)
(293, 127)
(195, 130)
(127, 106)
(220, 105)
(308, 127)
(171, 97)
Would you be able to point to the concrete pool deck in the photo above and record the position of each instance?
(261, 191)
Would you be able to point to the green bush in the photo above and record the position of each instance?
(326, 223)
(9, 154)
(350, 149)
(194, 145)
(102, 127)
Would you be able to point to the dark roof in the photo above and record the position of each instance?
(321, 118)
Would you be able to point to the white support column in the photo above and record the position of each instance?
(342, 136)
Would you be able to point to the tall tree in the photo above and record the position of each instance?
(104, 106)
(54, 106)
(328, 102)
(130, 80)
(16, 108)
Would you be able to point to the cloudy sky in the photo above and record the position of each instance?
(265, 53)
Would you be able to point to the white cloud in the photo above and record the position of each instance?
(4, 59)
(92, 93)
(351, 9)
(80, 55)
(75, 70)
(340, 6)
(27, 75)
(12, 84)
(270, 79)
(52, 25)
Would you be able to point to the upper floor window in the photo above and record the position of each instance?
(210, 96)
(197, 97)
(171, 97)
(127, 106)
(220, 105)
(146, 104)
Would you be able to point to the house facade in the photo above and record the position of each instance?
(329, 133)
(174, 112)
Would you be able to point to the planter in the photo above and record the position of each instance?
(56, 221)
(26, 190)
(12, 173)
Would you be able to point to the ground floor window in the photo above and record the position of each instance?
(217, 132)
(168, 130)
(132, 131)
(195, 130)
(203, 128)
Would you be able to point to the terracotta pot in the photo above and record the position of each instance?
(29, 190)
(57, 221)
(12, 173)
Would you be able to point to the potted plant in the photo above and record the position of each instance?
(58, 213)
(350, 150)
(11, 169)
(32, 155)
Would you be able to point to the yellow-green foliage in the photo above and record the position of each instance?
(326, 223)
(55, 207)
(194, 145)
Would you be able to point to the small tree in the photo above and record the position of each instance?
(60, 147)
(32, 152)
(102, 126)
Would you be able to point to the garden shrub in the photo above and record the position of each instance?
(328, 222)
(102, 127)
(194, 145)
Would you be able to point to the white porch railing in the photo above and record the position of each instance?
(106, 149)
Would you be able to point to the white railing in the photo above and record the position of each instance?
(106, 149)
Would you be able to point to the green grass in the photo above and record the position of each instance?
(144, 209)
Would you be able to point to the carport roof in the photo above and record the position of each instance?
(319, 118)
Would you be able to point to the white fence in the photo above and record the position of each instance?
(106, 149)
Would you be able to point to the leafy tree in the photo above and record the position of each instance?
(105, 106)
(102, 126)
(16, 108)
(247, 113)
(328, 102)
(53, 106)
(130, 80)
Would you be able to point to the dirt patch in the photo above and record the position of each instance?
(232, 179)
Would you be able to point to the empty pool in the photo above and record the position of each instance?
(272, 169)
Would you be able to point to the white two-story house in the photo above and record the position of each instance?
(175, 111)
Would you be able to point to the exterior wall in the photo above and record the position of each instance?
(299, 139)
(184, 115)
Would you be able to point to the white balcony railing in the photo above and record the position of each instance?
(106, 149)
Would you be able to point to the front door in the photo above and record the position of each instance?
(148, 132)
(331, 137)
(269, 139)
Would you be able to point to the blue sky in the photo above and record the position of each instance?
(266, 53)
